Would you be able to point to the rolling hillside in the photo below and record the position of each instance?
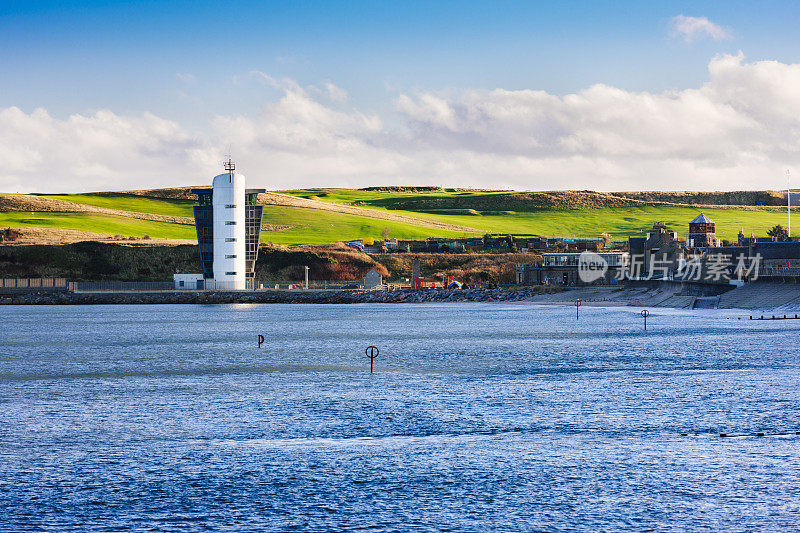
(568, 213)
(320, 216)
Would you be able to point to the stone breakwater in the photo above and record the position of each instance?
(223, 297)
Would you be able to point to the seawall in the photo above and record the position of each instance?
(752, 296)
(271, 296)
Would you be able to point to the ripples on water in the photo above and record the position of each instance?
(478, 417)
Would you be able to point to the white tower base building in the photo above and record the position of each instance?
(228, 221)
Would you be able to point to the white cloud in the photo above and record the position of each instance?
(186, 77)
(336, 94)
(741, 129)
(694, 28)
(736, 131)
(93, 152)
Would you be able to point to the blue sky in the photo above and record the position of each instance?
(189, 62)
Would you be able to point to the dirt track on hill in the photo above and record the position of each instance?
(273, 198)
(26, 202)
(33, 235)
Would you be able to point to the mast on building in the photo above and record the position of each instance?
(229, 165)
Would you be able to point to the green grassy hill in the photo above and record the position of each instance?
(97, 223)
(127, 202)
(310, 226)
(556, 213)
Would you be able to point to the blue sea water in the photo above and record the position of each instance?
(478, 417)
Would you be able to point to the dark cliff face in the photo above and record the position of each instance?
(97, 261)
(281, 264)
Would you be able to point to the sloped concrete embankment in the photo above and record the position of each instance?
(669, 294)
(762, 295)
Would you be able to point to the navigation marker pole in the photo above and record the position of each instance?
(372, 352)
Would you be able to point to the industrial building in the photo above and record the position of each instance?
(228, 221)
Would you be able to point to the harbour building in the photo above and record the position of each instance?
(228, 221)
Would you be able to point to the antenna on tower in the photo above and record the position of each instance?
(228, 164)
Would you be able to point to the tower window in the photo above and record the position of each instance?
(230, 222)
(230, 256)
(230, 239)
(230, 273)
(230, 206)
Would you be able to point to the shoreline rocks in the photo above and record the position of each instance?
(295, 296)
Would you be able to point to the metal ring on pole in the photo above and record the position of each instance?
(372, 352)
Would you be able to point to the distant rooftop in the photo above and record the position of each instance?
(701, 219)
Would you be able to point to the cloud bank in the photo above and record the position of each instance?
(739, 130)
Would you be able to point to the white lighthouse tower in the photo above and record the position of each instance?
(229, 235)
(228, 221)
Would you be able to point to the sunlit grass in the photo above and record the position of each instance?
(130, 202)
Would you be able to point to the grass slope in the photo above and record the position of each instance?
(312, 226)
(383, 199)
(111, 225)
(308, 226)
(129, 202)
(620, 222)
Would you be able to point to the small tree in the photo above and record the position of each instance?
(385, 232)
(777, 231)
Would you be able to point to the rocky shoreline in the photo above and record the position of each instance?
(271, 296)
(759, 295)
